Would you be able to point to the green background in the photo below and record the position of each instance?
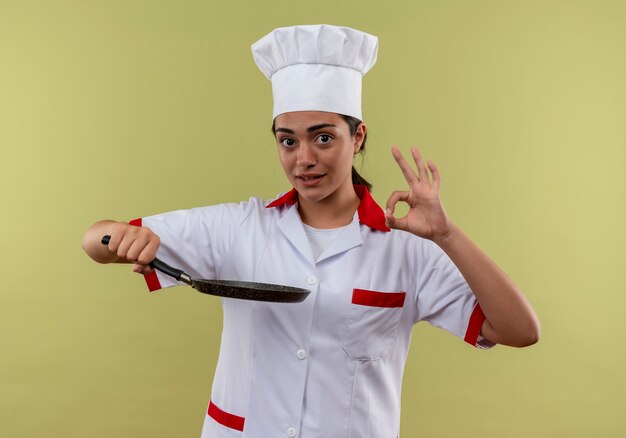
(120, 109)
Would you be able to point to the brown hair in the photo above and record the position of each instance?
(353, 123)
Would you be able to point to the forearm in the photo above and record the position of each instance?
(510, 319)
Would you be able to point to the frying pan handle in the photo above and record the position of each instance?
(161, 266)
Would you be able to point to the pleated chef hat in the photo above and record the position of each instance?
(316, 67)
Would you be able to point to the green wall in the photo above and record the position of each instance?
(119, 109)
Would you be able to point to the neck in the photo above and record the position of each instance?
(334, 211)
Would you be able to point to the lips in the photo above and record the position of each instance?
(310, 179)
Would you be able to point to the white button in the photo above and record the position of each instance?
(301, 354)
(291, 432)
(311, 280)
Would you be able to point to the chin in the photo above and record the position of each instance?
(312, 194)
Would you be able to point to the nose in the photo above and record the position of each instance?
(306, 155)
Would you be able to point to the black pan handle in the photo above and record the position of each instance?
(161, 266)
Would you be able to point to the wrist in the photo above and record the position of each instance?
(447, 237)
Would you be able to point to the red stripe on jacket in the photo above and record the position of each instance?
(378, 299)
(224, 418)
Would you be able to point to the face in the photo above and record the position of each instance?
(316, 151)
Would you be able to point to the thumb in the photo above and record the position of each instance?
(141, 269)
(390, 219)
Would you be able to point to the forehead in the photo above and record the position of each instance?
(301, 120)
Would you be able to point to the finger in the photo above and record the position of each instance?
(114, 242)
(435, 173)
(421, 167)
(395, 197)
(116, 234)
(136, 248)
(406, 169)
(149, 252)
(125, 244)
(390, 219)
(396, 223)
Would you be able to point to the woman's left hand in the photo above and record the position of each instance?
(426, 216)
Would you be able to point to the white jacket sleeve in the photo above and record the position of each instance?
(443, 297)
(195, 240)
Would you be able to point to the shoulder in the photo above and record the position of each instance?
(407, 244)
(227, 210)
(225, 214)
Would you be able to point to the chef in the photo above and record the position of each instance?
(332, 365)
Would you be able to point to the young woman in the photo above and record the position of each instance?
(331, 365)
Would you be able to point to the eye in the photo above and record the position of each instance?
(324, 138)
(287, 142)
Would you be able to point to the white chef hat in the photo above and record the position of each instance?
(316, 67)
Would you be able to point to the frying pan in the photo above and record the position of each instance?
(244, 290)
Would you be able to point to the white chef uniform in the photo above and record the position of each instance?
(332, 365)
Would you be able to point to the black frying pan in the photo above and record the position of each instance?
(244, 290)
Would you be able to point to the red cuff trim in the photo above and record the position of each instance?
(378, 299)
(475, 324)
(152, 281)
(224, 418)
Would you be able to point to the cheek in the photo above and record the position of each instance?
(285, 162)
(346, 158)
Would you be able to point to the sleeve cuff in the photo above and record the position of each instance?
(152, 280)
(472, 335)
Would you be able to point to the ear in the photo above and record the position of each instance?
(359, 136)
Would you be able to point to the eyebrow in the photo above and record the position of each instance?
(309, 129)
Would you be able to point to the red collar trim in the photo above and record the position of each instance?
(369, 211)
(289, 198)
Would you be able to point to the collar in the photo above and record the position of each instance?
(369, 211)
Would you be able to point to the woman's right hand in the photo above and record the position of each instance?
(128, 244)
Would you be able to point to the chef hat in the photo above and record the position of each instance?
(316, 67)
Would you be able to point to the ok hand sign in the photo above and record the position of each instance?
(426, 217)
